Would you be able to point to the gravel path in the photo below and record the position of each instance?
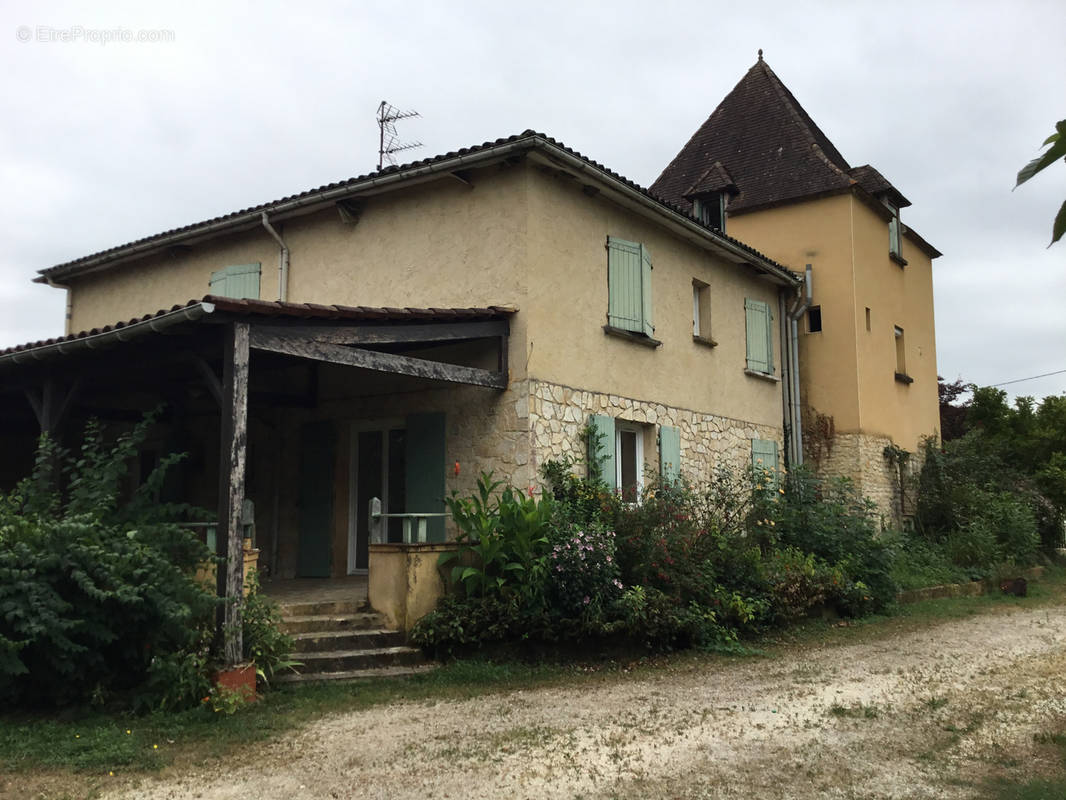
(927, 714)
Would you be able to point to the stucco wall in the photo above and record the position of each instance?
(848, 372)
(568, 299)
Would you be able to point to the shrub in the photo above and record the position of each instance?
(96, 595)
(503, 542)
(584, 573)
(263, 640)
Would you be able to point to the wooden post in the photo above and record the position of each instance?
(231, 485)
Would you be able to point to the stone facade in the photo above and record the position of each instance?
(861, 458)
(558, 414)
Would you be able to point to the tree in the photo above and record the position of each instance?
(1056, 151)
(952, 416)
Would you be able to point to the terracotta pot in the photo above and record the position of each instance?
(240, 678)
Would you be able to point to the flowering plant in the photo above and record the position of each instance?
(583, 571)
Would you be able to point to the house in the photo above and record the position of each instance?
(390, 336)
(760, 169)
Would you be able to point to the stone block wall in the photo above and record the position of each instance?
(558, 414)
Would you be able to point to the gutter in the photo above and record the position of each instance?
(283, 261)
(283, 207)
(134, 330)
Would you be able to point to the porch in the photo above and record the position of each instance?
(310, 411)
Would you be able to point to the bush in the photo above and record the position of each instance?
(96, 595)
(584, 573)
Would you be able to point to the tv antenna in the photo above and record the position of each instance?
(390, 140)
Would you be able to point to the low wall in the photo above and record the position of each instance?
(405, 582)
(971, 589)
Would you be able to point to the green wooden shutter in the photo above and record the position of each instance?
(669, 453)
(238, 281)
(425, 469)
(645, 285)
(625, 285)
(317, 451)
(602, 432)
(764, 455)
(760, 336)
(894, 238)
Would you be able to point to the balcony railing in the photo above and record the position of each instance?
(415, 525)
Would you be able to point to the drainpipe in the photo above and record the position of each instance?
(799, 308)
(283, 261)
(70, 304)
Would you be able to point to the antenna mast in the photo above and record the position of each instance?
(389, 143)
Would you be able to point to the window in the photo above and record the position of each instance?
(814, 319)
(764, 456)
(701, 312)
(239, 281)
(617, 448)
(759, 323)
(867, 318)
(710, 210)
(895, 236)
(629, 287)
(901, 357)
(629, 460)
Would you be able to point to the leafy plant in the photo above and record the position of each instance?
(265, 644)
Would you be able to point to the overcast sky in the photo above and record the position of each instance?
(105, 142)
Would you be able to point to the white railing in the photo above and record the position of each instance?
(415, 525)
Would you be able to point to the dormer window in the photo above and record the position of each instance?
(895, 235)
(710, 209)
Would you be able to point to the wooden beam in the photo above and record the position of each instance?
(50, 406)
(209, 376)
(389, 334)
(303, 347)
(231, 485)
(350, 210)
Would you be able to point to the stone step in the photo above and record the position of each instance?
(321, 608)
(355, 674)
(311, 623)
(351, 660)
(328, 640)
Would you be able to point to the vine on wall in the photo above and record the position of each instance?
(819, 432)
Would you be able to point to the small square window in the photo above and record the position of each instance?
(814, 319)
(710, 210)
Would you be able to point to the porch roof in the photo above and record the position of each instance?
(213, 308)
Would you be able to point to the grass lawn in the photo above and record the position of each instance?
(75, 753)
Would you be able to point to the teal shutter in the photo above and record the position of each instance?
(425, 469)
(760, 336)
(669, 453)
(625, 285)
(601, 432)
(764, 455)
(317, 453)
(239, 281)
(645, 284)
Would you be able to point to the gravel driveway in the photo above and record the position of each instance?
(921, 714)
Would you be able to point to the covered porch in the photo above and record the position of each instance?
(310, 412)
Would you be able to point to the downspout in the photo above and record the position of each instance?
(798, 309)
(283, 261)
(70, 304)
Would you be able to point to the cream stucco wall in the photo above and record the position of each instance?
(568, 300)
(848, 372)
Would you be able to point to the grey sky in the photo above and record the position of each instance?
(102, 143)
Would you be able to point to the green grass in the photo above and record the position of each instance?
(1043, 788)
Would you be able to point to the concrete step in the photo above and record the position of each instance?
(355, 674)
(351, 660)
(328, 640)
(311, 623)
(321, 608)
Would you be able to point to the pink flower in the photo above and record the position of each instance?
(587, 600)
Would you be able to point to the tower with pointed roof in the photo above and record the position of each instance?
(762, 170)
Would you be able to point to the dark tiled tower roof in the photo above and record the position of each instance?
(771, 150)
